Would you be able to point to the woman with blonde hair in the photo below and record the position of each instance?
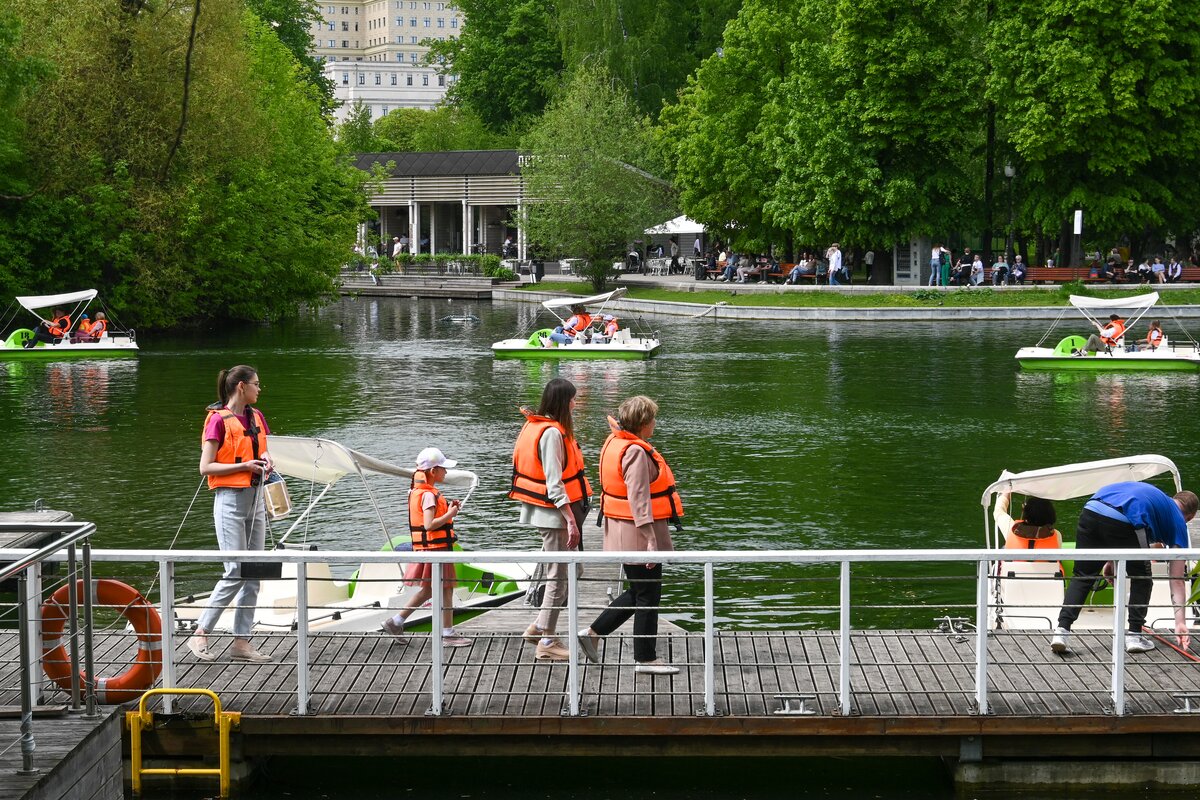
(638, 500)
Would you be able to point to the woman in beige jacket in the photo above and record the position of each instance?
(639, 499)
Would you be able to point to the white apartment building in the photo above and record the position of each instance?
(373, 52)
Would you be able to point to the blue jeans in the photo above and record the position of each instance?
(560, 337)
(241, 520)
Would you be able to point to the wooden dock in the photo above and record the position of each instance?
(913, 694)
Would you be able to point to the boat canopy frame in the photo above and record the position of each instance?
(570, 302)
(1089, 306)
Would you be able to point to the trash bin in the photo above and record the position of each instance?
(701, 269)
(539, 270)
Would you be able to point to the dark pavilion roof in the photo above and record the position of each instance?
(455, 162)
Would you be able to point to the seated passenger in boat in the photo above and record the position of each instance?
(1107, 336)
(1034, 530)
(576, 325)
(50, 330)
(606, 328)
(89, 331)
(1154, 339)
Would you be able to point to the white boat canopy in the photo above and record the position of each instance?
(681, 224)
(1081, 480)
(1138, 301)
(568, 302)
(51, 300)
(325, 461)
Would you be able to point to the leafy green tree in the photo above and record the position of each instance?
(441, 128)
(1097, 101)
(19, 75)
(357, 133)
(586, 175)
(235, 204)
(292, 22)
(880, 122)
(507, 60)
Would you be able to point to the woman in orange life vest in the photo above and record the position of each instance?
(576, 324)
(431, 525)
(1034, 530)
(550, 484)
(50, 329)
(89, 331)
(234, 458)
(638, 500)
(1154, 337)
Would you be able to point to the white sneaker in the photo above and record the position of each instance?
(655, 667)
(1138, 643)
(391, 626)
(1059, 642)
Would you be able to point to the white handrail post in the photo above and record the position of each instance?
(435, 642)
(846, 659)
(710, 692)
(573, 638)
(302, 638)
(166, 606)
(32, 602)
(1118, 647)
(981, 637)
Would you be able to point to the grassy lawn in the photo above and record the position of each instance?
(964, 298)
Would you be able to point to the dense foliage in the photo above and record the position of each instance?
(590, 174)
(178, 162)
(418, 130)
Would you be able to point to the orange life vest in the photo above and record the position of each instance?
(529, 477)
(1154, 337)
(1118, 326)
(98, 328)
(611, 327)
(60, 326)
(1023, 536)
(665, 502)
(442, 538)
(237, 447)
(577, 323)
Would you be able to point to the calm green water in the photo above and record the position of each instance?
(782, 435)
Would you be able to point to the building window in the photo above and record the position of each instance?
(332, 43)
(378, 79)
(441, 80)
(345, 79)
(385, 111)
(399, 22)
(331, 9)
(412, 40)
(345, 44)
(333, 26)
(441, 22)
(426, 21)
(425, 79)
(331, 58)
(345, 25)
(362, 79)
(408, 80)
(453, 23)
(393, 79)
(399, 56)
(412, 57)
(345, 9)
(412, 22)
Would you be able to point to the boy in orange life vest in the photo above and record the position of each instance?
(431, 525)
(1034, 530)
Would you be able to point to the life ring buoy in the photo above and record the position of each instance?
(142, 616)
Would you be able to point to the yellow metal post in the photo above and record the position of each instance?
(142, 719)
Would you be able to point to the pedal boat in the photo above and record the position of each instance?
(1027, 595)
(112, 344)
(1168, 357)
(361, 601)
(624, 345)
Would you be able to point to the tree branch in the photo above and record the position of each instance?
(187, 88)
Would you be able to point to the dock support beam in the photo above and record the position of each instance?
(710, 693)
(435, 644)
(166, 604)
(847, 655)
(1118, 646)
(301, 638)
(572, 639)
(981, 638)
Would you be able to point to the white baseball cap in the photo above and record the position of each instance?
(431, 457)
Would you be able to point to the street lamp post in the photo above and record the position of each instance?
(1010, 172)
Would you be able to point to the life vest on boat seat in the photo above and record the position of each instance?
(442, 538)
(529, 478)
(665, 502)
(238, 446)
(1024, 536)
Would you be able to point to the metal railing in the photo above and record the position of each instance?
(26, 568)
(845, 561)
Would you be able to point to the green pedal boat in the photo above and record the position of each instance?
(601, 336)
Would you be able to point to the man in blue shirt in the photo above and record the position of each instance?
(1129, 515)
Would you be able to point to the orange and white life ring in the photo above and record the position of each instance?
(142, 616)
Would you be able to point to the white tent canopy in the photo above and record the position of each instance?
(1081, 480)
(591, 300)
(681, 224)
(51, 300)
(325, 461)
(1138, 301)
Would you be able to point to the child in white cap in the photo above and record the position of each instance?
(431, 525)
